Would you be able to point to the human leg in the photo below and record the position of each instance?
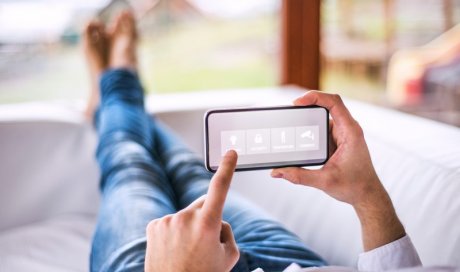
(95, 47)
(134, 187)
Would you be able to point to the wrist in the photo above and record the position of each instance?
(374, 200)
(379, 222)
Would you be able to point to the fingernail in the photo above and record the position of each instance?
(277, 175)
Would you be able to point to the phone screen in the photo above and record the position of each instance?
(267, 137)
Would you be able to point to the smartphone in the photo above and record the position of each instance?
(270, 137)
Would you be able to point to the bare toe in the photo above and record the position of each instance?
(93, 32)
(96, 46)
(96, 49)
(123, 42)
(126, 24)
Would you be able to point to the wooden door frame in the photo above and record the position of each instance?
(300, 43)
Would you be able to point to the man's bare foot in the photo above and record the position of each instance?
(123, 42)
(96, 49)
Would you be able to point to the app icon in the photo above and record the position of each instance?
(283, 139)
(233, 139)
(308, 134)
(258, 141)
(307, 138)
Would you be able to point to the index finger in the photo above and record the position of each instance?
(218, 188)
(332, 102)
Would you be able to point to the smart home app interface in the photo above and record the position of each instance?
(269, 137)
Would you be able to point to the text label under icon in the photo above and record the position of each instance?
(233, 139)
(258, 141)
(283, 139)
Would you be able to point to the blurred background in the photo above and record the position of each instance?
(403, 54)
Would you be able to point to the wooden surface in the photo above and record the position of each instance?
(300, 49)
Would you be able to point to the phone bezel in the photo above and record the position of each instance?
(206, 135)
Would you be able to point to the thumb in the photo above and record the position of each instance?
(228, 240)
(297, 175)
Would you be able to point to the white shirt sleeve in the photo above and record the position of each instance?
(395, 255)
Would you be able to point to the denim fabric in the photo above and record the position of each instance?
(147, 173)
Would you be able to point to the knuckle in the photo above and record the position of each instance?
(226, 226)
(151, 226)
(337, 99)
(163, 223)
(179, 220)
(235, 253)
(206, 225)
(167, 218)
(311, 93)
(358, 130)
(206, 222)
(314, 95)
(294, 178)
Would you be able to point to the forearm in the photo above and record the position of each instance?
(379, 223)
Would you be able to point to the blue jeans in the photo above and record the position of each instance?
(147, 173)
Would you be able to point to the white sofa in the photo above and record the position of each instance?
(49, 194)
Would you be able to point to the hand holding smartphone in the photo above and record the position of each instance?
(269, 137)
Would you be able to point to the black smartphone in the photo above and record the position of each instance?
(270, 137)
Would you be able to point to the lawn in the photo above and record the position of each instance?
(203, 54)
(211, 54)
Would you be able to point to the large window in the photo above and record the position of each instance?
(186, 45)
(403, 54)
(396, 53)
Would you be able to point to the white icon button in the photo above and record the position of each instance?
(233, 139)
(258, 141)
(308, 134)
(283, 139)
(307, 138)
